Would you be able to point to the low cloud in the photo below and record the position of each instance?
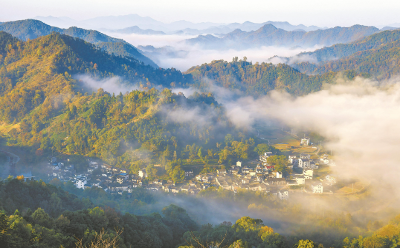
(195, 55)
(112, 85)
(359, 119)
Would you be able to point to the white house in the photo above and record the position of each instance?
(278, 174)
(292, 159)
(239, 163)
(304, 163)
(317, 188)
(142, 173)
(80, 182)
(305, 141)
(264, 157)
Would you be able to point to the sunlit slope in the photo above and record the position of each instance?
(34, 71)
(53, 110)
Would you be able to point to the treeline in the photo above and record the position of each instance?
(259, 79)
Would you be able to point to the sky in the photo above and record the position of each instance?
(327, 13)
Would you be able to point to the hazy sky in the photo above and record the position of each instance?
(309, 12)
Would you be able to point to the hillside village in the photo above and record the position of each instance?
(240, 176)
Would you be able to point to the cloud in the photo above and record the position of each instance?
(197, 56)
(189, 115)
(185, 91)
(112, 85)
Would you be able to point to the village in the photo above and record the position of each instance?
(257, 175)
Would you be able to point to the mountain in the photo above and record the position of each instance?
(51, 85)
(47, 63)
(269, 35)
(136, 30)
(31, 29)
(250, 26)
(28, 29)
(377, 55)
(125, 21)
(180, 27)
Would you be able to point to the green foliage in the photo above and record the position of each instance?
(247, 232)
(258, 79)
(260, 149)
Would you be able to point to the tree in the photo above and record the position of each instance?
(260, 149)
(177, 175)
(306, 244)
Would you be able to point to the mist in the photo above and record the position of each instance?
(114, 85)
(195, 55)
(359, 120)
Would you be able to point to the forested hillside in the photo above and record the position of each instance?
(32, 29)
(378, 55)
(258, 79)
(50, 110)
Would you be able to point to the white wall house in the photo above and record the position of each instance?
(305, 141)
(142, 173)
(80, 183)
(317, 188)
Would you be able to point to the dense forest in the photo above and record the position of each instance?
(259, 79)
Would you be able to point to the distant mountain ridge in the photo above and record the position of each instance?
(32, 29)
(136, 30)
(269, 35)
(115, 23)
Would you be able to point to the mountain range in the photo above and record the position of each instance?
(31, 29)
(127, 23)
(269, 35)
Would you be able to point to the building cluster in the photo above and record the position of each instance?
(262, 177)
